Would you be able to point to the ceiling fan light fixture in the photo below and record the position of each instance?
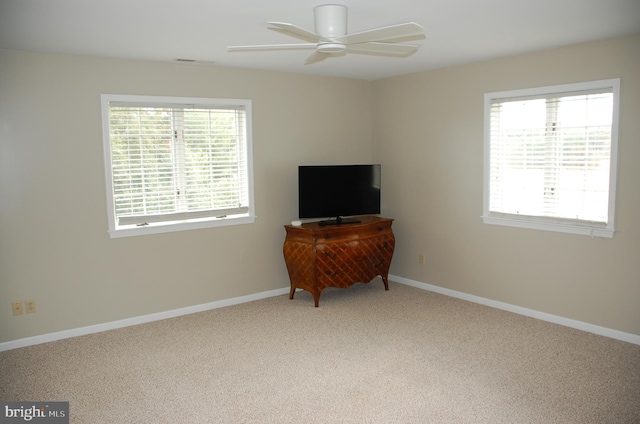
(331, 47)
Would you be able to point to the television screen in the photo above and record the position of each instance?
(336, 191)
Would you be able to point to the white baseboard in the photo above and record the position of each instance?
(50, 337)
(578, 325)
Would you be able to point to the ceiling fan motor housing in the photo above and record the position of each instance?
(330, 20)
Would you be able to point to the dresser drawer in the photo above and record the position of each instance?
(352, 232)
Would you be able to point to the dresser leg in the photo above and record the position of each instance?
(386, 283)
(292, 292)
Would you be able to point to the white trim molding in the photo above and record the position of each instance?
(98, 328)
(82, 331)
(543, 316)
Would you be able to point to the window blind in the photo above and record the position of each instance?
(549, 155)
(177, 162)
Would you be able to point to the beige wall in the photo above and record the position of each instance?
(428, 134)
(426, 130)
(54, 245)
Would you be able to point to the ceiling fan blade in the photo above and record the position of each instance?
(386, 49)
(294, 31)
(316, 57)
(390, 33)
(272, 47)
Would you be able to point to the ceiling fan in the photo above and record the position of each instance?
(331, 39)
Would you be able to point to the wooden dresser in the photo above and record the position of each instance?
(338, 255)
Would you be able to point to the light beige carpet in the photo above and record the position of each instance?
(364, 356)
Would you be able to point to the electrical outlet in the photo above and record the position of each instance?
(421, 259)
(17, 308)
(30, 305)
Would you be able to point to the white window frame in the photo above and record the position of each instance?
(122, 228)
(574, 226)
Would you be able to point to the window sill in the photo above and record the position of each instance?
(169, 227)
(571, 227)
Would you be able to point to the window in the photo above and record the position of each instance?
(550, 158)
(176, 163)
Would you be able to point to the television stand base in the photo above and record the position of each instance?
(339, 221)
(338, 256)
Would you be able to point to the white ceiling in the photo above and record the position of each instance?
(457, 31)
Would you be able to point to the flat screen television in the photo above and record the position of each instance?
(338, 191)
